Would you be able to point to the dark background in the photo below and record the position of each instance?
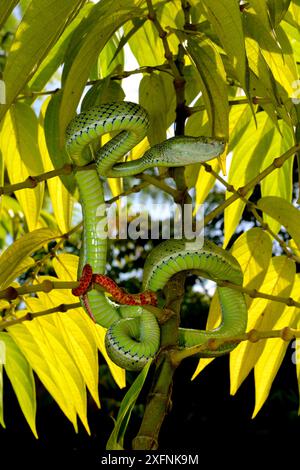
(204, 418)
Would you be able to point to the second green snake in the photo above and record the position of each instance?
(133, 334)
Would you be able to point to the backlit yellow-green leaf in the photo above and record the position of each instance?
(107, 61)
(66, 266)
(277, 9)
(158, 101)
(5, 9)
(261, 9)
(204, 181)
(225, 17)
(34, 346)
(49, 357)
(213, 83)
(276, 52)
(60, 197)
(40, 27)
(56, 149)
(284, 212)
(268, 364)
(279, 182)
(117, 372)
(55, 57)
(77, 330)
(104, 19)
(18, 143)
(65, 360)
(21, 268)
(248, 150)
(253, 251)
(262, 314)
(145, 44)
(18, 251)
(21, 377)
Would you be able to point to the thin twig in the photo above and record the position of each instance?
(234, 102)
(119, 76)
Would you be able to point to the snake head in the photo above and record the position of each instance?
(188, 150)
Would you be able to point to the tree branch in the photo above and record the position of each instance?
(252, 207)
(242, 191)
(159, 398)
(31, 315)
(286, 334)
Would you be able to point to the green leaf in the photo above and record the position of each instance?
(77, 327)
(6, 7)
(266, 141)
(18, 143)
(261, 9)
(157, 100)
(11, 258)
(111, 58)
(36, 345)
(277, 9)
(285, 214)
(253, 250)
(66, 267)
(104, 91)
(145, 44)
(246, 143)
(116, 439)
(293, 33)
(55, 352)
(213, 83)
(104, 19)
(56, 149)
(262, 315)
(62, 201)
(295, 9)
(225, 17)
(279, 183)
(41, 26)
(55, 57)
(270, 360)
(21, 377)
(277, 52)
(192, 85)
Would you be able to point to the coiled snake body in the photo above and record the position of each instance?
(133, 334)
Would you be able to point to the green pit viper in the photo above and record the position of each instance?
(133, 333)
